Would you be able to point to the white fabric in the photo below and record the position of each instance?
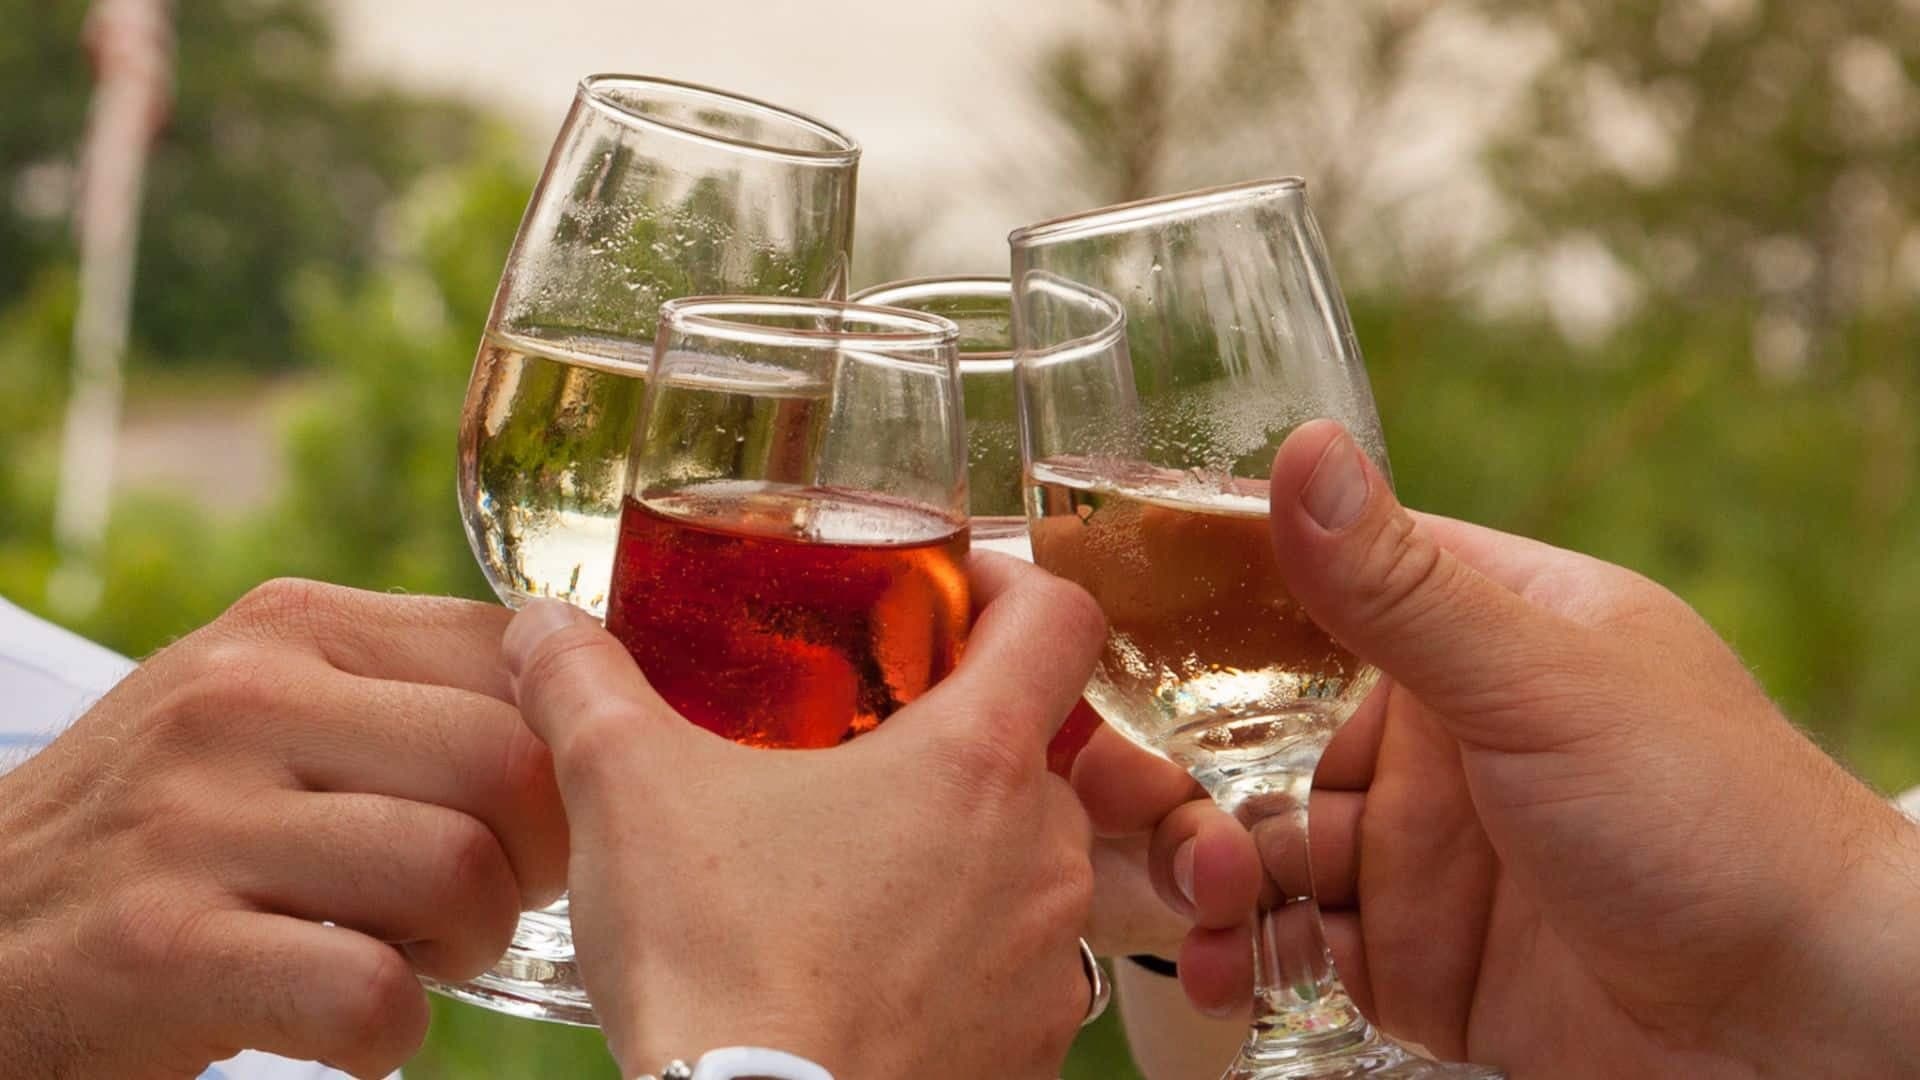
(734, 1062)
(1910, 804)
(48, 677)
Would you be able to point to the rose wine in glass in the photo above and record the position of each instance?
(791, 567)
(789, 617)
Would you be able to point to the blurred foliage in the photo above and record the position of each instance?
(270, 162)
(1747, 432)
(1726, 153)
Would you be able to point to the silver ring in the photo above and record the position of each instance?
(1101, 991)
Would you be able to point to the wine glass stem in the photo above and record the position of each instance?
(1300, 1010)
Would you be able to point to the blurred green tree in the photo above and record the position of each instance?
(1728, 155)
(1747, 174)
(271, 161)
(1155, 96)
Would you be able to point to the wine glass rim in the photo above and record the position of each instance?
(1113, 328)
(955, 284)
(1153, 208)
(729, 318)
(841, 148)
(996, 286)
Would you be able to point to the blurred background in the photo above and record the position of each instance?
(1640, 278)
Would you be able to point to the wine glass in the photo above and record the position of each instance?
(1165, 349)
(791, 567)
(982, 307)
(654, 189)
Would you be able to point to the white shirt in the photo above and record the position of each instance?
(48, 677)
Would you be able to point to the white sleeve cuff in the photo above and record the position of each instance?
(736, 1062)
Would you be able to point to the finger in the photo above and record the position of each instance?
(1126, 789)
(1216, 970)
(1028, 657)
(582, 694)
(424, 639)
(296, 989)
(429, 744)
(1334, 835)
(1347, 764)
(1379, 581)
(1204, 865)
(1342, 929)
(424, 877)
(1332, 840)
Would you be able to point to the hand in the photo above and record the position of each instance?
(316, 753)
(1570, 835)
(905, 905)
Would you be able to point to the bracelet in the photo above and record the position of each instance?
(744, 1063)
(1157, 965)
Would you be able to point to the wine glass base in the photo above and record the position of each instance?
(537, 979)
(1374, 1057)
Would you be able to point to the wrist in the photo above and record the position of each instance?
(1860, 986)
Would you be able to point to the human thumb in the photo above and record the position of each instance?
(582, 694)
(1491, 664)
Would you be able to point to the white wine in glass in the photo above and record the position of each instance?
(546, 431)
(653, 190)
(1164, 350)
(1207, 652)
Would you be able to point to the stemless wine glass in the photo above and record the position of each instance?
(654, 189)
(1165, 349)
(792, 558)
(996, 501)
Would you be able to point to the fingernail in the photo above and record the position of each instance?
(1183, 871)
(1337, 491)
(536, 622)
(1220, 1012)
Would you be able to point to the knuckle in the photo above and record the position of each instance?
(1402, 568)
(229, 680)
(1073, 607)
(287, 607)
(595, 743)
(387, 1010)
(471, 856)
(570, 649)
(977, 761)
(1070, 604)
(526, 771)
